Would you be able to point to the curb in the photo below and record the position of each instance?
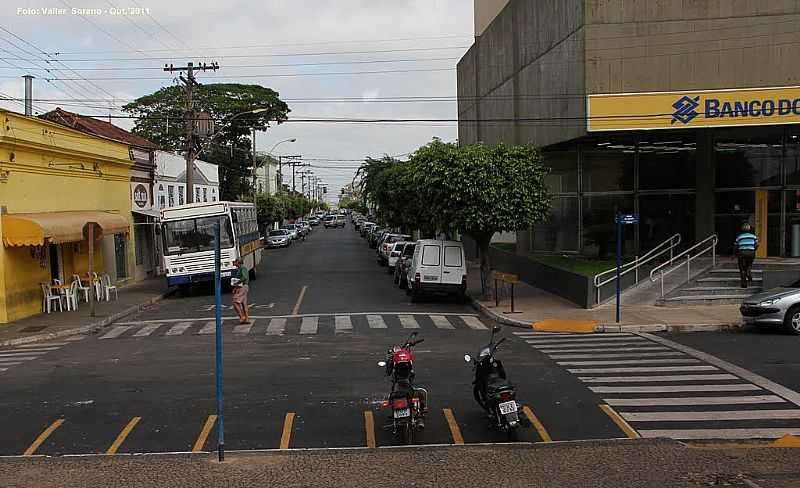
(610, 327)
(91, 328)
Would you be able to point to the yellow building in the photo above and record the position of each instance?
(53, 180)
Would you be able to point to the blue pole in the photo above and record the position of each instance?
(619, 259)
(218, 352)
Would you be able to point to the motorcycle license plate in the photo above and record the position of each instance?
(402, 413)
(508, 407)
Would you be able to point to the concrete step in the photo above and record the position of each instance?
(683, 300)
(725, 279)
(735, 271)
(719, 290)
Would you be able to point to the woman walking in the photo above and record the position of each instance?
(241, 287)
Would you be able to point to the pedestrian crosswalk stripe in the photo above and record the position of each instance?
(146, 330)
(441, 322)
(673, 388)
(243, 328)
(568, 335)
(656, 379)
(642, 369)
(628, 361)
(376, 322)
(18, 358)
(276, 326)
(43, 344)
(717, 400)
(408, 322)
(29, 350)
(561, 345)
(116, 331)
(21, 354)
(3, 369)
(563, 340)
(606, 349)
(309, 325)
(712, 415)
(209, 328)
(11, 364)
(343, 323)
(74, 338)
(685, 434)
(473, 322)
(178, 328)
(617, 355)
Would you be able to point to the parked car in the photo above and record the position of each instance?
(438, 267)
(313, 221)
(278, 238)
(395, 250)
(375, 236)
(386, 246)
(291, 230)
(365, 227)
(778, 307)
(402, 265)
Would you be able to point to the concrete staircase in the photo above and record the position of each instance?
(717, 286)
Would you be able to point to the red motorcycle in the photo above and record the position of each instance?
(409, 403)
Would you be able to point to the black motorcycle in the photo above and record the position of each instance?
(492, 390)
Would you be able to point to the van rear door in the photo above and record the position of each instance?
(430, 263)
(453, 268)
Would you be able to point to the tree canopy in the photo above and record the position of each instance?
(160, 119)
(476, 189)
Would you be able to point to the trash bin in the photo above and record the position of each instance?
(796, 239)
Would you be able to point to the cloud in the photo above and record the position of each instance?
(301, 28)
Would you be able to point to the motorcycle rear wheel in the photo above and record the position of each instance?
(406, 434)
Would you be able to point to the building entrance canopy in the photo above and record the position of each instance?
(34, 229)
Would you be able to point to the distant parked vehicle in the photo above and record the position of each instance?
(313, 221)
(778, 307)
(402, 265)
(395, 250)
(386, 246)
(291, 230)
(366, 227)
(278, 238)
(438, 267)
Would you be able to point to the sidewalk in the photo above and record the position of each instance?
(132, 298)
(548, 312)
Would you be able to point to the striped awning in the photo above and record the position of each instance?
(34, 229)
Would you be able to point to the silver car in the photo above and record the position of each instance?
(778, 307)
(278, 238)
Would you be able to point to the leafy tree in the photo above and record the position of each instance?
(160, 119)
(270, 209)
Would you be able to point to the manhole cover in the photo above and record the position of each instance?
(34, 328)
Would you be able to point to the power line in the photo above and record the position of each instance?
(266, 75)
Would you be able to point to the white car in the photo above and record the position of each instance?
(438, 267)
(394, 254)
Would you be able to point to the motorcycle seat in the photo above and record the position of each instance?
(402, 388)
(497, 385)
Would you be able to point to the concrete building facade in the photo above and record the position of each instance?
(628, 101)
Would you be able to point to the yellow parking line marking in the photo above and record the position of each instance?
(200, 443)
(454, 430)
(369, 427)
(296, 308)
(537, 424)
(621, 423)
(287, 430)
(123, 435)
(42, 437)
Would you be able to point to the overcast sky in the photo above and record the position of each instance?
(428, 35)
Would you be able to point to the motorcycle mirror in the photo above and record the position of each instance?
(467, 358)
(382, 364)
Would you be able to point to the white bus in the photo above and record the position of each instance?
(188, 237)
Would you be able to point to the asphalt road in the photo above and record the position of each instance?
(305, 374)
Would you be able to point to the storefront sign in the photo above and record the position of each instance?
(140, 195)
(693, 109)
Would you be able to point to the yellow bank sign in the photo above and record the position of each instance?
(694, 109)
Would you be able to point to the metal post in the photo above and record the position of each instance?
(496, 296)
(218, 348)
(91, 270)
(662, 283)
(636, 267)
(512, 297)
(688, 268)
(619, 260)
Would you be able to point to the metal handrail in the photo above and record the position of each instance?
(668, 245)
(710, 244)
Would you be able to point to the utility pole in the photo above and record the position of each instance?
(296, 164)
(254, 167)
(189, 117)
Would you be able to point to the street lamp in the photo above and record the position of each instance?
(269, 153)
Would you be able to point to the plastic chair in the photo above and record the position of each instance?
(71, 295)
(108, 288)
(81, 288)
(49, 298)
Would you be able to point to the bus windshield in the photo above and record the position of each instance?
(195, 235)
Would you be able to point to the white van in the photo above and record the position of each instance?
(438, 267)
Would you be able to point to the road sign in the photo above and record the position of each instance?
(627, 219)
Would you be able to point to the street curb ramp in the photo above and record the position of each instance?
(594, 326)
(91, 328)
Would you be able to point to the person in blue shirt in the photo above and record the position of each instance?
(745, 247)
